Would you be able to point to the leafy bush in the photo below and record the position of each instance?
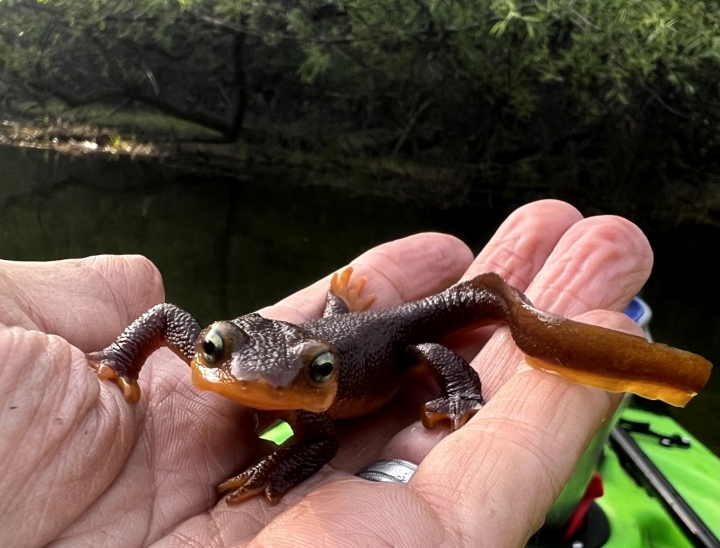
(592, 89)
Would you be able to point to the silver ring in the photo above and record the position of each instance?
(394, 470)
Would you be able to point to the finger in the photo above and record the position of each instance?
(608, 249)
(398, 271)
(86, 301)
(600, 262)
(517, 251)
(58, 451)
(519, 248)
(516, 454)
(592, 249)
(185, 444)
(578, 282)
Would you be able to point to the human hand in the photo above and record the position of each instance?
(80, 466)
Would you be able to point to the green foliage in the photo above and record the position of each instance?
(114, 52)
(603, 54)
(494, 81)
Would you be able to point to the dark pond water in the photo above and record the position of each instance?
(227, 248)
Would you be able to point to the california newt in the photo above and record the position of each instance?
(353, 360)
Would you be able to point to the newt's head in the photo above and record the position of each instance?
(266, 364)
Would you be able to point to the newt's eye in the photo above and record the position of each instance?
(321, 368)
(217, 342)
(212, 347)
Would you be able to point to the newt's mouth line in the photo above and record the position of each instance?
(261, 394)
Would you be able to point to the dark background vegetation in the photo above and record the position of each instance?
(612, 98)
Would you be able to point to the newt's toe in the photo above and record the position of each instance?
(241, 491)
(106, 372)
(130, 389)
(456, 409)
(349, 292)
(256, 480)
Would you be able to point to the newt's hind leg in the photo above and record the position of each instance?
(461, 390)
(344, 296)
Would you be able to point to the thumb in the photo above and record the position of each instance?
(86, 301)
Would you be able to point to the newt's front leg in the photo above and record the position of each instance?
(163, 325)
(276, 473)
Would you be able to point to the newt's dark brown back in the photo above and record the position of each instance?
(372, 344)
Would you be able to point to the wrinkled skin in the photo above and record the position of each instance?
(81, 467)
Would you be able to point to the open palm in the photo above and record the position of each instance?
(79, 466)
